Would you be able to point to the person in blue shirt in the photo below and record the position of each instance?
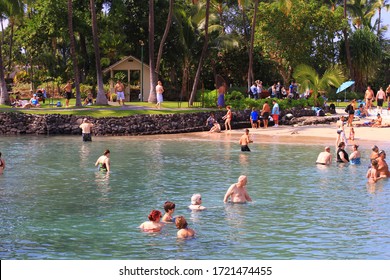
(254, 118)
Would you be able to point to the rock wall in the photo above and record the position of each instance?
(15, 123)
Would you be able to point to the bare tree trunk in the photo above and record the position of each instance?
(153, 77)
(11, 42)
(73, 54)
(250, 66)
(202, 56)
(347, 48)
(164, 38)
(101, 98)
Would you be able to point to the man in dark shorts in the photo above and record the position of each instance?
(244, 141)
(265, 113)
(86, 128)
(68, 92)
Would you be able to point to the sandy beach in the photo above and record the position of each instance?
(311, 134)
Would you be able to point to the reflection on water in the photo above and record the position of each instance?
(54, 204)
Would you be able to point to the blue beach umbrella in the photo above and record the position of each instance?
(344, 86)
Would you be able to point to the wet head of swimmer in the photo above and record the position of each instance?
(375, 148)
(196, 199)
(382, 152)
(181, 222)
(168, 205)
(154, 216)
(106, 152)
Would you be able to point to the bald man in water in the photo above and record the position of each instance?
(237, 192)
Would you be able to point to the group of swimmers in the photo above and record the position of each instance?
(157, 221)
(237, 193)
(378, 169)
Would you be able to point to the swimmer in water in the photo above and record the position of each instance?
(169, 208)
(237, 192)
(104, 161)
(154, 224)
(196, 201)
(184, 230)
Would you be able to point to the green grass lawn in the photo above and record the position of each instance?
(100, 111)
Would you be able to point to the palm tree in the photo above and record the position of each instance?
(308, 77)
(101, 98)
(8, 8)
(346, 39)
(73, 54)
(153, 77)
(380, 4)
(164, 38)
(202, 56)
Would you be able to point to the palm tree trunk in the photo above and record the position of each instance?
(101, 98)
(11, 42)
(164, 38)
(73, 54)
(250, 66)
(153, 77)
(347, 47)
(202, 56)
(4, 97)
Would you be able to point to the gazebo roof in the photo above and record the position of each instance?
(124, 60)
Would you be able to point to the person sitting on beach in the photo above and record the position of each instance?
(378, 121)
(354, 157)
(210, 120)
(104, 161)
(361, 111)
(342, 155)
(216, 127)
(17, 102)
(169, 208)
(184, 230)
(33, 102)
(238, 192)
(325, 157)
(88, 101)
(196, 201)
(154, 224)
(86, 128)
(383, 168)
(2, 164)
(372, 173)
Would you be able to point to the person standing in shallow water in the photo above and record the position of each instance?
(86, 128)
(244, 141)
(342, 155)
(237, 192)
(104, 161)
